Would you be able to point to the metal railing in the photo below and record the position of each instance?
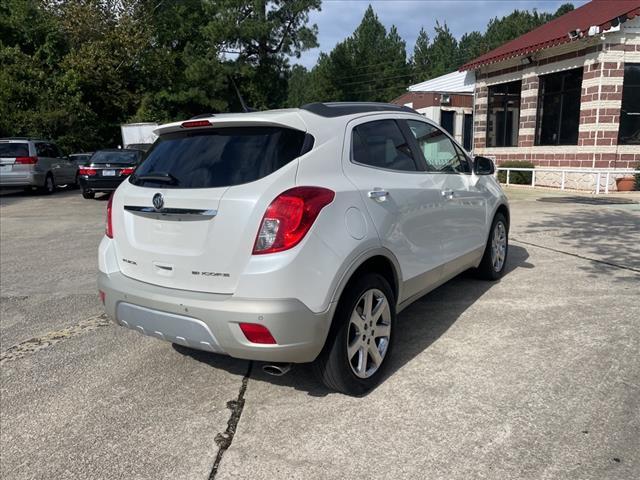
(563, 175)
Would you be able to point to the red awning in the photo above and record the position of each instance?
(600, 13)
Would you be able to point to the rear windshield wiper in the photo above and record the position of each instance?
(160, 177)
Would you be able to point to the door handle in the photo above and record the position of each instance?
(448, 194)
(378, 194)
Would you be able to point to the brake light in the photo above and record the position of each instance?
(257, 333)
(26, 160)
(87, 171)
(109, 228)
(196, 123)
(127, 171)
(289, 218)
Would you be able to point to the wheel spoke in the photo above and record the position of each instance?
(368, 306)
(375, 355)
(353, 347)
(362, 361)
(382, 331)
(379, 309)
(357, 320)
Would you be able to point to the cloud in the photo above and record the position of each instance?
(339, 18)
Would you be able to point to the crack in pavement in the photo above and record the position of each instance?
(33, 345)
(582, 257)
(224, 440)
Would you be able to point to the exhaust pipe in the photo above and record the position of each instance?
(276, 369)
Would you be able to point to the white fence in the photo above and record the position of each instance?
(598, 174)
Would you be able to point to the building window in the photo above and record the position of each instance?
(629, 133)
(503, 114)
(447, 118)
(559, 108)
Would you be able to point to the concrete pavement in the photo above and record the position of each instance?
(536, 376)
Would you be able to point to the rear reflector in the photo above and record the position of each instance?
(87, 171)
(257, 333)
(26, 160)
(196, 123)
(109, 228)
(102, 296)
(127, 171)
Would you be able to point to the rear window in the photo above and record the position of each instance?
(115, 157)
(220, 158)
(10, 150)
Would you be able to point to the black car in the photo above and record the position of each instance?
(80, 158)
(107, 169)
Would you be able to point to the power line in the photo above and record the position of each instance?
(377, 79)
(399, 69)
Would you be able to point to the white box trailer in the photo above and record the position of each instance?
(138, 135)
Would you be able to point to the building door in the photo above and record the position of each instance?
(467, 132)
(447, 120)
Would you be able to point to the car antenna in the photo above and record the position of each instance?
(242, 102)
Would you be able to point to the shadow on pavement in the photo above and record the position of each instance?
(13, 196)
(601, 200)
(429, 318)
(609, 235)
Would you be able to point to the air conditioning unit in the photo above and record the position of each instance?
(445, 99)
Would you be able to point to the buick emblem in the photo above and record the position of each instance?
(158, 201)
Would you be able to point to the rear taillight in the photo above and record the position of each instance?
(289, 218)
(109, 228)
(127, 171)
(26, 160)
(87, 171)
(257, 333)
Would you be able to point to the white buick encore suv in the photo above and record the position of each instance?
(297, 235)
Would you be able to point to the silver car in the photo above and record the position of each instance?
(29, 163)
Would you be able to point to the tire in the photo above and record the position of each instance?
(88, 195)
(492, 267)
(49, 185)
(333, 366)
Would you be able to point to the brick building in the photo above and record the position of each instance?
(566, 94)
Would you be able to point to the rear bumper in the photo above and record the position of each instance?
(22, 179)
(100, 184)
(210, 322)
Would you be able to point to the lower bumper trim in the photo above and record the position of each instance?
(186, 331)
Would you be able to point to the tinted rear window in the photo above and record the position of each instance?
(221, 157)
(9, 150)
(115, 157)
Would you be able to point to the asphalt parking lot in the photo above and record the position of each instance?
(534, 377)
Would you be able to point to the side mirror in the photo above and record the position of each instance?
(483, 166)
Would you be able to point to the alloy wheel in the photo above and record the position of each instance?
(498, 246)
(369, 333)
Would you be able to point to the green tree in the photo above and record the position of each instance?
(421, 62)
(443, 51)
(370, 65)
(470, 46)
(257, 37)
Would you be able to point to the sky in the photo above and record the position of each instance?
(339, 18)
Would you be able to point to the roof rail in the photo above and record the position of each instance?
(339, 109)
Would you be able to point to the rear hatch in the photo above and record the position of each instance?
(14, 155)
(189, 216)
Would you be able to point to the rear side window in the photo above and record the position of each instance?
(115, 157)
(55, 151)
(219, 157)
(10, 150)
(381, 144)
